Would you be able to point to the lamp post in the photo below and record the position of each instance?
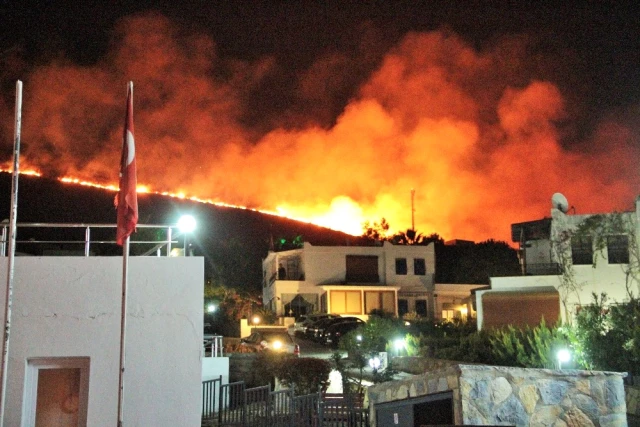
(186, 225)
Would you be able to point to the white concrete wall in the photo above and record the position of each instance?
(70, 306)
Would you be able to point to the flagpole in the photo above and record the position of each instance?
(127, 213)
(12, 249)
(123, 329)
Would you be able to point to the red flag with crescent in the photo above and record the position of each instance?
(127, 199)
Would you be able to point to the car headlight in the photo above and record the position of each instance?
(277, 345)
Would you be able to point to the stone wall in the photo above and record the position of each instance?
(416, 365)
(492, 395)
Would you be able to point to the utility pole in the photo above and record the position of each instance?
(413, 226)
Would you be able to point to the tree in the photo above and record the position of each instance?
(410, 237)
(601, 327)
(376, 232)
(475, 262)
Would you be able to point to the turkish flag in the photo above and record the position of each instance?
(127, 199)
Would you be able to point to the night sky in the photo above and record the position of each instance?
(334, 111)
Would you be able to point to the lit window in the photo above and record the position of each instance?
(379, 300)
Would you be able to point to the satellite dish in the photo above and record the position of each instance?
(560, 202)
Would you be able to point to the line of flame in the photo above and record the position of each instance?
(146, 190)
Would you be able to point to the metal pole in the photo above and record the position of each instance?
(87, 239)
(123, 329)
(12, 250)
(169, 241)
(413, 226)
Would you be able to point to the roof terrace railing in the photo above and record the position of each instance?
(153, 241)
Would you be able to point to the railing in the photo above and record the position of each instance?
(543, 269)
(210, 396)
(85, 235)
(235, 405)
(214, 343)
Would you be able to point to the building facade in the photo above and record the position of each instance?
(350, 280)
(64, 359)
(565, 259)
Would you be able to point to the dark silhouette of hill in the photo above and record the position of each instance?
(233, 241)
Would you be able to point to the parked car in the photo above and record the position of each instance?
(334, 333)
(278, 340)
(300, 326)
(318, 328)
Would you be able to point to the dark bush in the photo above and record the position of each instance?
(306, 374)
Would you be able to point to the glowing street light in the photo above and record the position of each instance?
(563, 355)
(186, 225)
(211, 308)
(400, 345)
(256, 320)
(374, 363)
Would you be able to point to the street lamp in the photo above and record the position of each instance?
(186, 225)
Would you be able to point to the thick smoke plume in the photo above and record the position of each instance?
(480, 134)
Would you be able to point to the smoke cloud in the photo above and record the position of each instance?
(480, 134)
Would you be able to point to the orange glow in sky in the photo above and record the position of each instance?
(479, 134)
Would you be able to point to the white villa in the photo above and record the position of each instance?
(354, 280)
(565, 259)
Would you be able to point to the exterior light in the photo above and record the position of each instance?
(186, 225)
(374, 363)
(563, 355)
(211, 308)
(277, 345)
(399, 344)
(255, 320)
(358, 338)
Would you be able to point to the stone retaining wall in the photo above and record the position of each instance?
(416, 365)
(494, 395)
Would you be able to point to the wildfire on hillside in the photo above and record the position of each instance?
(481, 135)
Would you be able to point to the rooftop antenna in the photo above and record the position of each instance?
(558, 201)
(413, 193)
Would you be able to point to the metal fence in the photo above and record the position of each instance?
(235, 405)
(72, 239)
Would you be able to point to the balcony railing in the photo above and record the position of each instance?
(81, 239)
(543, 269)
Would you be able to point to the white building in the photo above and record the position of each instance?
(350, 280)
(63, 363)
(565, 259)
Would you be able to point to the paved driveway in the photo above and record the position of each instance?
(313, 349)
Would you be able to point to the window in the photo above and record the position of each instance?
(403, 307)
(346, 302)
(447, 315)
(362, 269)
(379, 300)
(618, 249)
(581, 250)
(401, 266)
(421, 307)
(419, 267)
(56, 389)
